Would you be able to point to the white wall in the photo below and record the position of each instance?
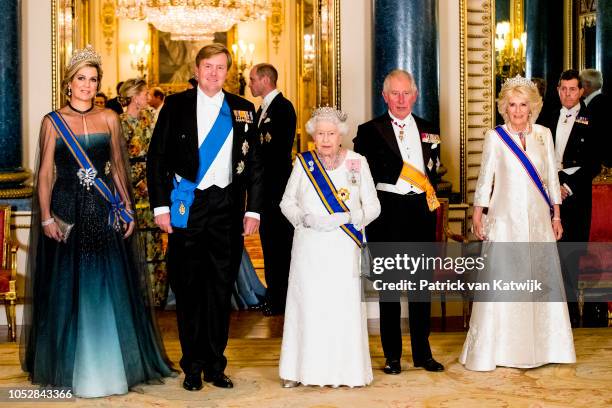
(36, 84)
(450, 98)
(356, 65)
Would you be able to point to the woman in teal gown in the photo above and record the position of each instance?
(88, 321)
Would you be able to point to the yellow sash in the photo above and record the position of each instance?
(413, 176)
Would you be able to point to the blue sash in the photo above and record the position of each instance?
(183, 193)
(327, 191)
(527, 165)
(118, 211)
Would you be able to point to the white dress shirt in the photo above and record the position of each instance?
(220, 171)
(411, 151)
(267, 100)
(567, 117)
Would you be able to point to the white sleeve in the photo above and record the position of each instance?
(289, 205)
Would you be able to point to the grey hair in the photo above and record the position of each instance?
(311, 125)
(592, 76)
(399, 73)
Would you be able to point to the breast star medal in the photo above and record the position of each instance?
(344, 194)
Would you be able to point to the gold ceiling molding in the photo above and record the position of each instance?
(108, 24)
(275, 23)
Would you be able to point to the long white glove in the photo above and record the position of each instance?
(325, 223)
(357, 219)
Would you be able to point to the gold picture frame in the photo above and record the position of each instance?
(172, 62)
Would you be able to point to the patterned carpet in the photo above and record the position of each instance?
(253, 368)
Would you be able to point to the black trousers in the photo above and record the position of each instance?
(576, 221)
(276, 234)
(203, 262)
(404, 218)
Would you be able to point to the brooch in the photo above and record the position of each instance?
(240, 167)
(310, 165)
(87, 177)
(344, 194)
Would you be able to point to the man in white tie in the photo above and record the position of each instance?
(156, 100)
(276, 120)
(202, 160)
(396, 144)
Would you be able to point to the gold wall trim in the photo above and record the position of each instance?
(337, 46)
(463, 10)
(568, 34)
(477, 77)
(54, 57)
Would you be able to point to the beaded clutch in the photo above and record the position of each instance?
(63, 226)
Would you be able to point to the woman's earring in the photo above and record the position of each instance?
(69, 92)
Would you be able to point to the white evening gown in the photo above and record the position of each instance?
(325, 338)
(519, 334)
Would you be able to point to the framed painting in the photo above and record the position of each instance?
(172, 62)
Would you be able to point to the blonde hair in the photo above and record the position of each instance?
(211, 50)
(131, 88)
(73, 69)
(530, 93)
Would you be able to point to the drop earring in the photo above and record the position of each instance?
(69, 92)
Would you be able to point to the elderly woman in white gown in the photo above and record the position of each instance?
(329, 198)
(521, 333)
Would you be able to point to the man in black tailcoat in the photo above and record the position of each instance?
(276, 120)
(207, 221)
(393, 143)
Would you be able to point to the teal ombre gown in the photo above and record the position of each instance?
(89, 323)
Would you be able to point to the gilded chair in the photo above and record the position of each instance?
(8, 270)
(444, 234)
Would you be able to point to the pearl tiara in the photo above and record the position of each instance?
(328, 112)
(86, 54)
(518, 81)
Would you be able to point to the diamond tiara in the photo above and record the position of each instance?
(86, 54)
(519, 81)
(328, 111)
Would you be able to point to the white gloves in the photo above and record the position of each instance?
(326, 223)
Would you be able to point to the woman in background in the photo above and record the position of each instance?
(137, 123)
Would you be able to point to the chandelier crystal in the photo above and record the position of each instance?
(193, 20)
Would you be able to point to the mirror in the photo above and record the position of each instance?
(314, 32)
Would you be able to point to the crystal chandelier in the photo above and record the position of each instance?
(193, 20)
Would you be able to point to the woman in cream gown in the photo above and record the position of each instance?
(521, 334)
(325, 339)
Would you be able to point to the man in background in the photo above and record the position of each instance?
(156, 100)
(276, 121)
